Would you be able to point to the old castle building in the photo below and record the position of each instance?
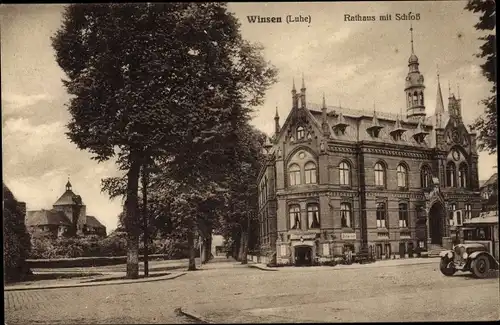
(338, 178)
(58, 220)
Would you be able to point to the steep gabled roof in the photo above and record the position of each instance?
(491, 180)
(46, 217)
(93, 222)
(66, 198)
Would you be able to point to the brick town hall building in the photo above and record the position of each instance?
(337, 178)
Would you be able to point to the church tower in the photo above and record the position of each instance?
(414, 88)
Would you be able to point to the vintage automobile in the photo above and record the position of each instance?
(473, 257)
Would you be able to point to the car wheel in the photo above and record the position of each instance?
(446, 268)
(480, 267)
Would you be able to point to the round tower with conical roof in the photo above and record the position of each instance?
(414, 87)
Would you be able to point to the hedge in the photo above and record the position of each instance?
(55, 263)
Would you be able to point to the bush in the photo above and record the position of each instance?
(44, 247)
(16, 239)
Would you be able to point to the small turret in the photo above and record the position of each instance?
(276, 123)
(375, 127)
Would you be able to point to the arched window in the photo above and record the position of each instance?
(313, 216)
(462, 175)
(409, 99)
(381, 215)
(425, 177)
(421, 98)
(451, 174)
(294, 214)
(294, 172)
(300, 133)
(379, 175)
(310, 171)
(403, 215)
(345, 215)
(415, 98)
(344, 173)
(402, 176)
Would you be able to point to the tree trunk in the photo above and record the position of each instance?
(244, 260)
(145, 217)
(192, 252)
(209, 247)
(203, 254)
(131, 218)
(242, 247)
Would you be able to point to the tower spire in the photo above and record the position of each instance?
(303, 83)
(324, 101)
(68, 185)
(276, 123)
(439, 98)
(293, 84)
(411, 36)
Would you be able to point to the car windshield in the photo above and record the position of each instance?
(478, 233)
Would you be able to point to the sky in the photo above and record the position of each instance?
(357, 64)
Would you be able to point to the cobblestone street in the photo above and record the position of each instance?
(229, 292)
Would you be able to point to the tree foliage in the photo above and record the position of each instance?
(16, 239)
(487, 124)
(155, 81)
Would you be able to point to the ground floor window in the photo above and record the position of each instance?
(381, 215)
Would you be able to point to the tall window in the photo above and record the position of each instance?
(345, 215)
(403, 215)
(379, 175)
(294, 217)
(265, 189)
(310, 171)
(344, 173)
(381, 215)
(300, 133)
(425, 177)
(402, 176)
(462, 175)
(453, 207)
(294, 172)
(313, 216)
(468, 211)
(451, 174)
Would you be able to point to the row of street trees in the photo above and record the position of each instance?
(167, 89)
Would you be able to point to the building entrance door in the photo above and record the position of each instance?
(303, 256)
(402, 250)
(436, 222)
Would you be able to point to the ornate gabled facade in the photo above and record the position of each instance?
(339, 178)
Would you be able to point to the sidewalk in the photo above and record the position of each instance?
(88, 281)
(379, 263)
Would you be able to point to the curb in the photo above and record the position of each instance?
(255, 266)
(94, 284)
(193, 316)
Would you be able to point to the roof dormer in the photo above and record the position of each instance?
(420, 133)
(340, 125)
(398, 130)
(375, 127)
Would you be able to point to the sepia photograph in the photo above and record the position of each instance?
(249, 162)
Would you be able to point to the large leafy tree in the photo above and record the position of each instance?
(16, 239)
(487, 123)
(157, 80)
(242, 214)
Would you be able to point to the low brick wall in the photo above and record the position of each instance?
(258, 259)
(85, 261)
